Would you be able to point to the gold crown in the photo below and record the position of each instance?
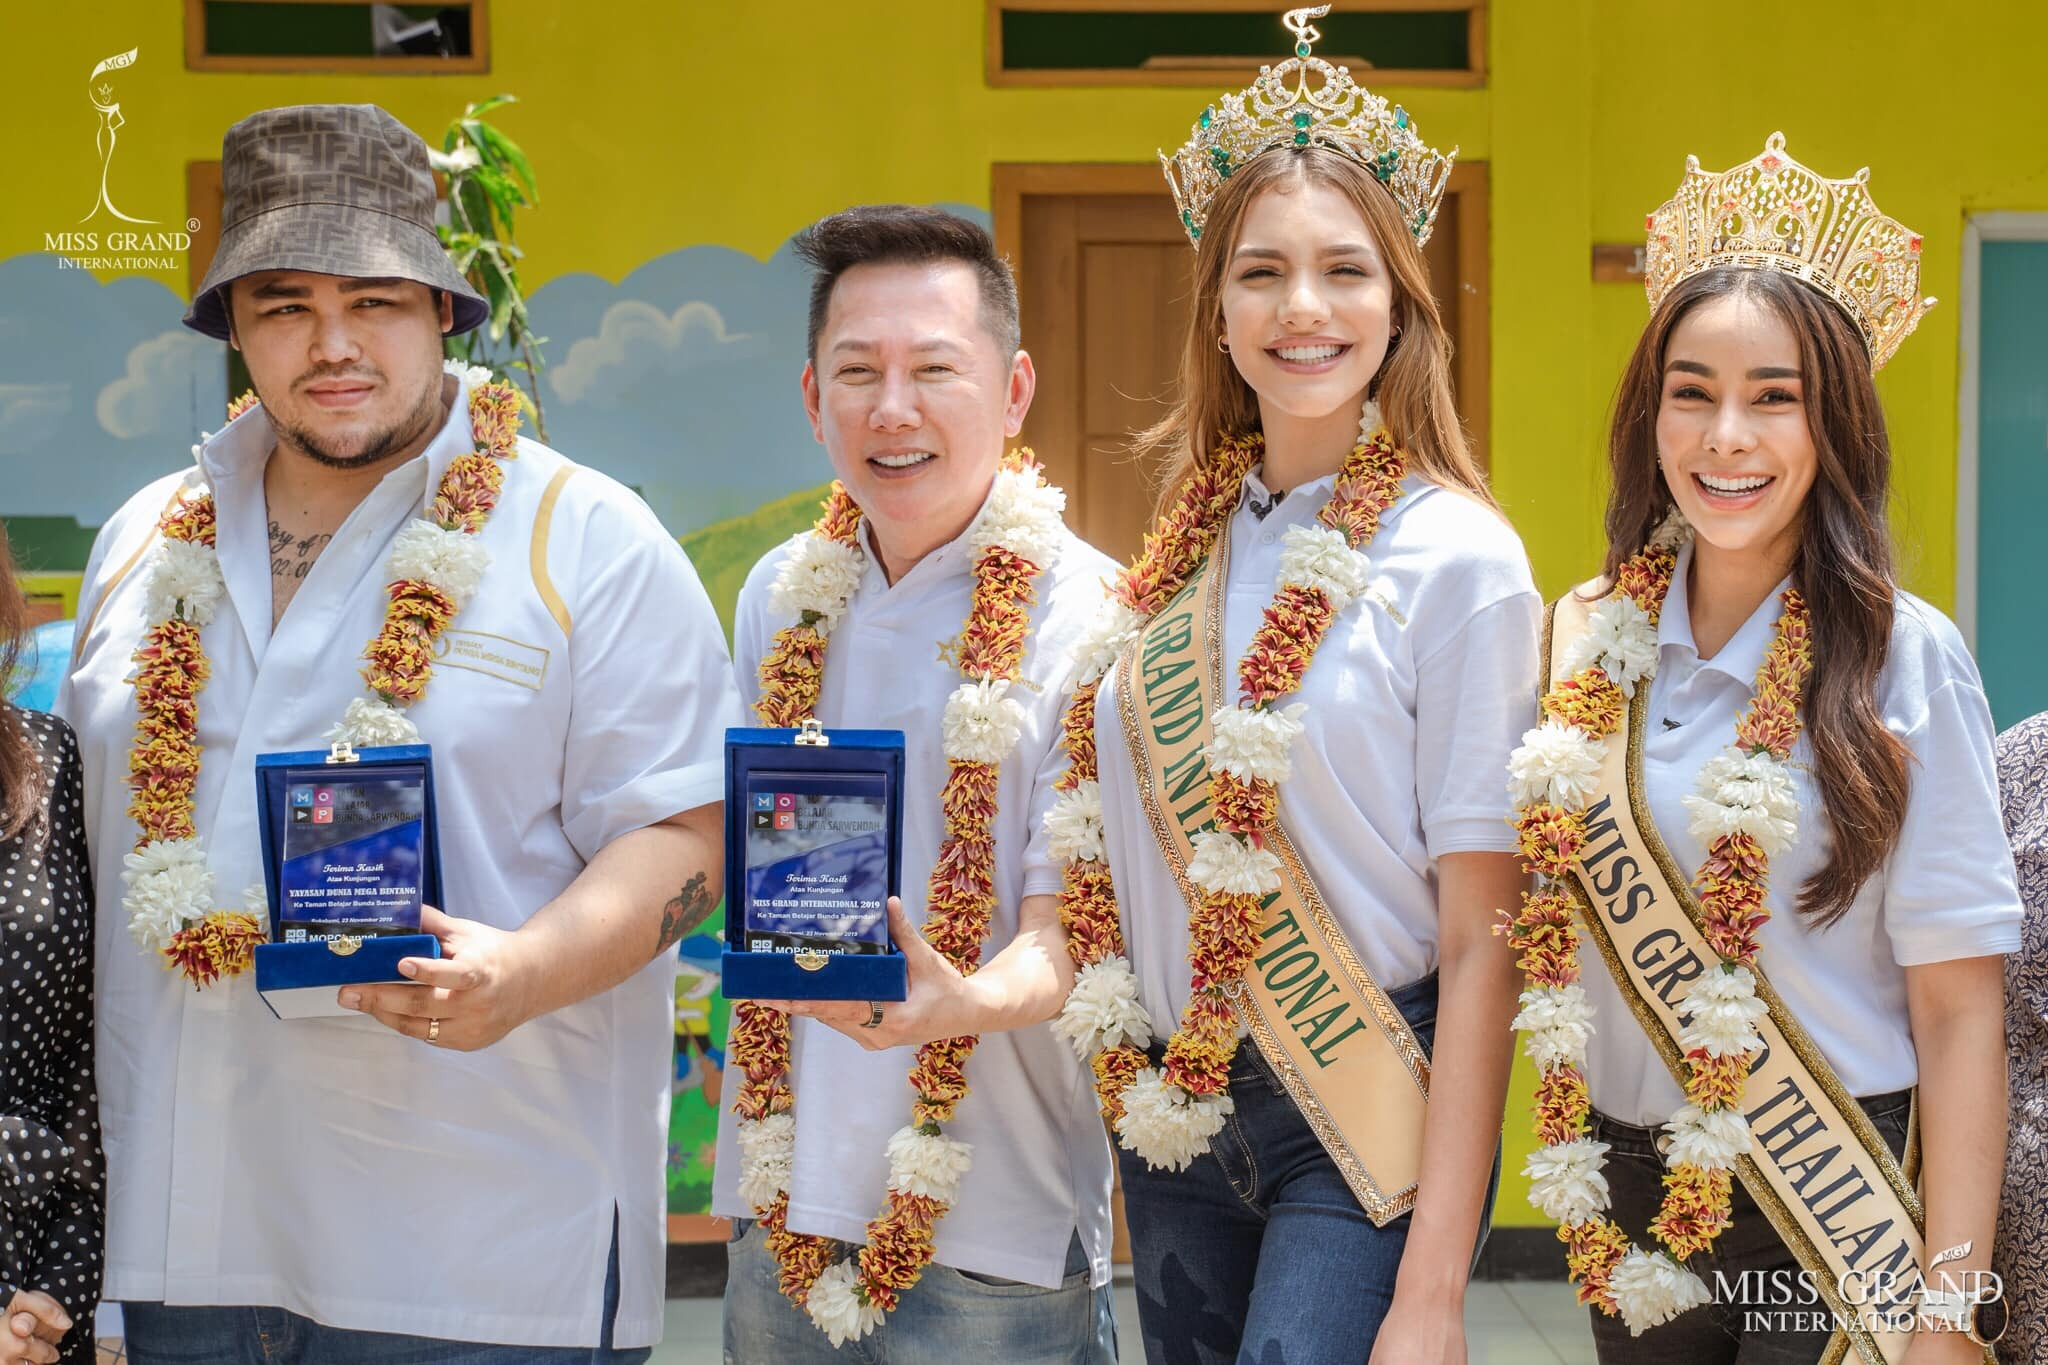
(1772, 213)
(1279, 109)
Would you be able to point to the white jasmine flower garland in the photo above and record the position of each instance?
(371, 721)
(1103, 1010)
(981, 724)
(1650, 1289)
(1724, 1009)
(1708, 1138)
(929, 1164)
(185, 582)
(817, 578)
(1559, 1021)
(1556, 763)
(1251, 742)
(1620, 640)
(1073, 827)
(1228, 864)
(837, 1307)
(453, 561)
(1566, 1182)
(1023, 515)
(1745, 793)
(1166, 1125)
(1112, 629)
(1319, 556)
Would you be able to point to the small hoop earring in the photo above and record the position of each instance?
(1223, 345)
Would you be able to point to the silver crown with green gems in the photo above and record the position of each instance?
(1306, 102)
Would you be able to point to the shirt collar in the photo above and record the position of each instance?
(946, 561)
(1744, 653)
(237, 451)
(1255, 489)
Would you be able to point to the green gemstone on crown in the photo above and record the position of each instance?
(1207, 115)
(1301, 119)
(1400, 117)
(1301, 139)
(1301, 49)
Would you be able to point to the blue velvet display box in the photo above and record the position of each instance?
(304, 980)
(805, 974)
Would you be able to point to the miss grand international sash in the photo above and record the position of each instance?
(1345, 1054)
(1822, 1174)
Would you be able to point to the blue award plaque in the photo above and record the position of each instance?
(814, 850)
(350, 854)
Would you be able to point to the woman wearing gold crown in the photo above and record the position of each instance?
(1283, 819)
(1763, 787)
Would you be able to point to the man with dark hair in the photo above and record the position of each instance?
(914, 385)
(466, 1166)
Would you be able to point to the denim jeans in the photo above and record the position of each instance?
(171, 1334)
(1259, 1253)
(1749, 1321)
(950, 1317)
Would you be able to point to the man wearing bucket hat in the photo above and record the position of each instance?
(468, 1167)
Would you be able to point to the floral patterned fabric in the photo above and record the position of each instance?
(2022, 1251)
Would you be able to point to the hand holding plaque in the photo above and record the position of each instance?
(814, 850)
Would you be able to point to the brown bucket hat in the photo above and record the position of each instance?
(337, 189)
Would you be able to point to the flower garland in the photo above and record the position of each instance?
(1167, 1114)
(1015, 539)
(1744, 810)
(436, 566)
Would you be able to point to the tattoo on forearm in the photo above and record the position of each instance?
(684, 912)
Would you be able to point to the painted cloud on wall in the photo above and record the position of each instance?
(103, 390)
(681, 380)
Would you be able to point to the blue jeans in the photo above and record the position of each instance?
(1259, 1253)
(170, 1334)
(950, 1317)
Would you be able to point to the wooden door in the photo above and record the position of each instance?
(1102, 272)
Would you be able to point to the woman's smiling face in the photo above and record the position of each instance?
(1307, 301)
(1732, 432)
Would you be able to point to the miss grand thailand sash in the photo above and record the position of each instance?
(1822, 1174)
(1345, 1054)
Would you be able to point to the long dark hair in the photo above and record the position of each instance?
(22, 781)
(1844, 565)
(1413, 386)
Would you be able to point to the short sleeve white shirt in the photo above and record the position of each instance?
(1412, 713)
(1041, 1161)
(331, 1166)
(1947, 892)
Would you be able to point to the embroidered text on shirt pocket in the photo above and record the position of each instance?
(497, 656)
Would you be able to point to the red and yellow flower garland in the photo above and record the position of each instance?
(172, 668)
(1731, 885)
(960, 897)
(1223, 930)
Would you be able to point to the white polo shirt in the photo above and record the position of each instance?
(1947, 892)
(1041, 1161)
(1409, 725)
(331, 1166)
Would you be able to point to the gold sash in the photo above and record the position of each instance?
(1345, 1054)
(1817, 1168)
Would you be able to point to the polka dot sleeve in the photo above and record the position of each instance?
(51, 1177)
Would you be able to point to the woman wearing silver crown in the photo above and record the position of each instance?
(1283, 819)
(1763, 790)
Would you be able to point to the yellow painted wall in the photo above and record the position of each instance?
(657, 125)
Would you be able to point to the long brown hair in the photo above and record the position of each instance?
(1413, 386)
(1844, 566)
(22, 780)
